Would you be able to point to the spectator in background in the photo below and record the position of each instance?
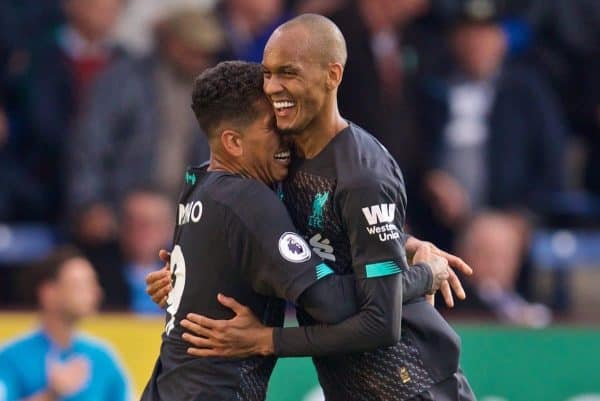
(63, 70)
(145, 227)
(134, 29)
(249, 23)
(567, 40)
(55, 362)
(386, 52)
(21, 197)
(591, 127)
(138, 128)
(22, 24)
(495, 136)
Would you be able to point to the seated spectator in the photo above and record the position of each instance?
(54, 361)
(64, 66)
(496, 139)
(145, 227)
(138, 128)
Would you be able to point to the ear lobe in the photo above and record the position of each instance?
(232, 143)
(334, 75)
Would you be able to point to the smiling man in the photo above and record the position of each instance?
(235, 236)
(346, 195)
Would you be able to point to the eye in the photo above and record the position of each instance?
(266, 74)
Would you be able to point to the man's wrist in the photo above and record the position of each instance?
(265, 341)
(51, 394)
(428, 271)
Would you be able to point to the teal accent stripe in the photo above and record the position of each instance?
(382, 269)
(323, 270)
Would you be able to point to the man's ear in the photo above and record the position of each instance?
(232, 142)
(47, 295)
(335, 72)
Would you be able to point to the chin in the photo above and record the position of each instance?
(289, 130)
(280, 175)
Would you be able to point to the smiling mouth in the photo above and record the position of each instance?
(283, 106)
(284, 156)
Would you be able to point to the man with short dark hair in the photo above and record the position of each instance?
(235, 236)
(346, 194)
(54, 362)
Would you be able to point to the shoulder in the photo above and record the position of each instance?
(101, 352)
(368, 164)
(235, 191)
(17, 347)
(248, 199)
(125, 74)
(521, 78)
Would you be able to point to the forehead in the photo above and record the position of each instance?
(289, 46)
(75, 269)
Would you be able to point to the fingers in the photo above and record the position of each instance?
(196, 329)
(456, 285)
(164, 255)
(199, 342)
(158, 287)
(203, 352)
(431, 299)
(206, 322)
(160, 296)
(457, 263)
(232, 304)
(153, 277)
(447, 294)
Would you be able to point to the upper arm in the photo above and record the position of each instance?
(374, 216)
(9, 385)
(276, 259)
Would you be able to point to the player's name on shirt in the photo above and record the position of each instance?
(191, 211)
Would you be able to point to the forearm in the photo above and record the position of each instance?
(416, 282)
(331, 299)
(377, 324)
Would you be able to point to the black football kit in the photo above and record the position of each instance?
(234, 236)
(349, 203)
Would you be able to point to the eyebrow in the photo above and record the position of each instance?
(282, 68)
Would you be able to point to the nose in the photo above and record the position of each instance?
(272, 85)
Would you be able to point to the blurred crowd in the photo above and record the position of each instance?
(491, 108)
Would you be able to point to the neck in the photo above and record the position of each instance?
(58, 328)
(313, 139)
(219, 163)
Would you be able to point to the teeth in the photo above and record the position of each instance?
(283, 104)
(282, 155)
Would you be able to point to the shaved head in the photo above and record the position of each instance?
(320, 35)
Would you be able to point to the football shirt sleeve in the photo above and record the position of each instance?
(276, 260)
(374, 214)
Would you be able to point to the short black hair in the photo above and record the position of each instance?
(48, 269)
(227, 93)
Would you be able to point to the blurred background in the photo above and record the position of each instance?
(491, 108)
